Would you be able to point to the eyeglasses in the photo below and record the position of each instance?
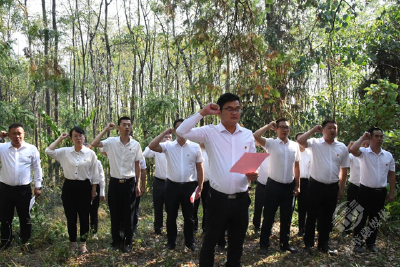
(284, 127)
(231, 109)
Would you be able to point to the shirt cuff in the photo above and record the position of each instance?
(38, 184)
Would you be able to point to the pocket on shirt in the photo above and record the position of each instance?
(25, 158)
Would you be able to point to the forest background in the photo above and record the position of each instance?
(87, 62)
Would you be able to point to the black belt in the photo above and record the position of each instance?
(16, 186)
(122, 181)
(159, 179)
(280, 184)
(318, 182)
(181, 183)
(263, 185)
(380, 189)
(303, 178)
(227, 196)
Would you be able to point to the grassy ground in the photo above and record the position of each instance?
(50, 243)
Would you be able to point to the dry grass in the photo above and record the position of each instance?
(51, 247)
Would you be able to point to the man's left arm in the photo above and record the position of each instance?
(200, 179)
(37, 172)
(392, 183)
(297, 178)
(342, 182)
(137, 175)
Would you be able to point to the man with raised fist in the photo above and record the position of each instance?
(228, 204)
(329, 163)
(124, 154)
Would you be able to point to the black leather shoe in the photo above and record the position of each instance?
(191, 247)
(157, 232)
(220, 249)
(358, 249)
(307, 250)
(289, 248)
(372, 248)
(327, 249)
(127, 249)
(263, 251)
(170, 246)
(115, 247)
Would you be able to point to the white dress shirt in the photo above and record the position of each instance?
(102, 178)
(206, 166)
(263, 172)
(354, 170)
(305, 163)
(142, 163)
(281, 159)
(122, 157)
(327, 159)
(374, 168)
(80, 165)
(224, 150)
(161, 171)
(181, 160)
(17, 164)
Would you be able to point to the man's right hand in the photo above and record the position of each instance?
(110, 126)
(318, 129)
(63, 136)
(272, 125)
(366, 136)
(3, 134)
(210, 109)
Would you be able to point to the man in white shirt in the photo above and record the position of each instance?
(183, 160)
(352, 187)
(283, 182)
(229, 199)
(377, 167)
(305, 162)
(18, 158)
(124, 154)
(329, 159)
(160, 176)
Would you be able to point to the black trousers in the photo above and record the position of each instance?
(225, 211)
(121, 201)
(158, 203)
(76, 197)
(11, 198)
(277, 195)
(322, 200)
(179, 194)
(302, 204)
(204, 197)
(373, 202)
(258, 205)
(94, 212)
(352, 192)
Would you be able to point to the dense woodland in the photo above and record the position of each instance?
(87, 62)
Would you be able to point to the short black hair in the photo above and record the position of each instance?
(297, 135)
(15, 125)
(326, 121)
(123, 119)
(177, 121)
(372, 129)
(225, 98)
(279, 120)
(76, 129)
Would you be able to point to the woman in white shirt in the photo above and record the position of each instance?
(81, 174)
